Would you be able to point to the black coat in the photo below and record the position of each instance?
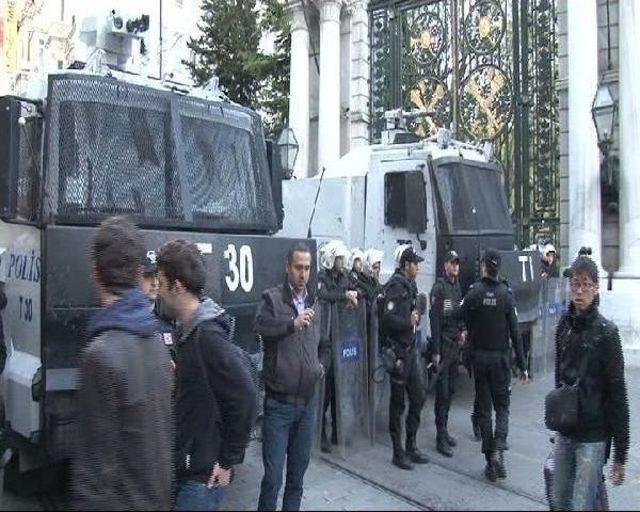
(489, 311)
(332, 286)
(446, 296)
(400, 296)
(589, 345)
(214, 417)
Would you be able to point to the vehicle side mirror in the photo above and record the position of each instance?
(416, 202)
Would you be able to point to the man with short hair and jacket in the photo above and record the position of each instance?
(447, 336)
(215, 398)
(400, 319)
(295, 355)
(489, 311)
(589, 355)
(122, 458)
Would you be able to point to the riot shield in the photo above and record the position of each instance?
(553, 302)
(325, 332)
(350, 360)
(377, 386)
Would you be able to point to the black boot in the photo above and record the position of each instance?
(416, 456)
(501, 470)
(443, 446)
(490, 469)
(476, 428)
(451, 441)
(325, 446)
(400, 458)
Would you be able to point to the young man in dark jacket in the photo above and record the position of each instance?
(215, 397)
(288, 320)
(589, 353)
(123, 458)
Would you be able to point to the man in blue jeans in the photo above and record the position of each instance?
(215, 399)
(288, 320)
(589, 356)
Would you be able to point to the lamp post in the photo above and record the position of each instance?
(288, 145)
(604, 111)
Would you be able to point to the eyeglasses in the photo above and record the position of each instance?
(586, 286)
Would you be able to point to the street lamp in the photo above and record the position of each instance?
(604, 111)
(288, 145)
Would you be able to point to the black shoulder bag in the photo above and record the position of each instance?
(562, 405)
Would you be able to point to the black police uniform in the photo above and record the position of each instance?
(400, 301)
(490, 314)
(332, 287)
(367, 286)
(446, 332)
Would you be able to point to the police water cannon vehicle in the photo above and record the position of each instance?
(181, 162)
(437, 193)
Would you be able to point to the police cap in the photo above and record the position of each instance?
(409, 255)
(492, 258)
(451, 256)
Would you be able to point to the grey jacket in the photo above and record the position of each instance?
(293, 360)
(123, 451)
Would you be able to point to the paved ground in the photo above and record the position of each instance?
(328, 488)
(367, 480)
(458, 483)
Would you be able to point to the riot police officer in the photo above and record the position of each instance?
(447, 336)
(490, 314)
(333, 287)
(400, 319)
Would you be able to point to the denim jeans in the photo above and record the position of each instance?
(194, 495)
(577, 473)
(287, 431)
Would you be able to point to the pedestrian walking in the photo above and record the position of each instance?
(215, 399)
(489, 312)
(295, 357)
(334, 286)
(447, 337)
(400, 319)
(590, 374)
(123, 457)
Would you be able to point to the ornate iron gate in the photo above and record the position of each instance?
(487, 69)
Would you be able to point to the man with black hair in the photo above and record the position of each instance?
(215, 399)
(122, 458)
(296, 354)
(489, 311)
(400, 319)
(447, 337)
(589, 356)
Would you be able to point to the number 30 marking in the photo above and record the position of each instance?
(240, 269)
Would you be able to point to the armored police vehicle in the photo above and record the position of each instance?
(180, 163)
(438, 194)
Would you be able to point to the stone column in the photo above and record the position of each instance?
(329, 111)
(359, 101)
(299, 86)
(629, 137)
(585, 214)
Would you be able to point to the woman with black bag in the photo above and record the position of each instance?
(589, 407)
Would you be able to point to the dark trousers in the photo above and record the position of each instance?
(287, 432)
(492, 378)
(445, 387)
(330, 400)
(409, 381)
